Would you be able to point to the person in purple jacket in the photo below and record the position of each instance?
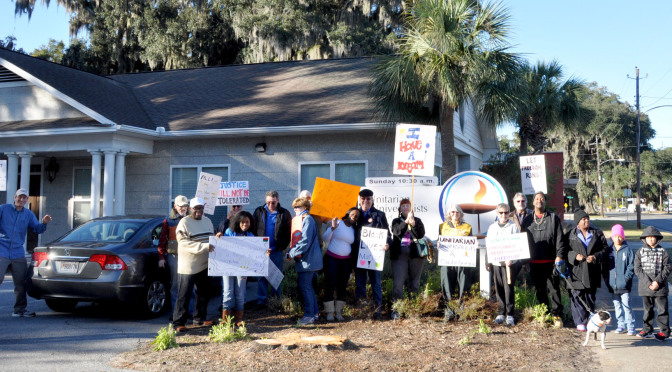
(14, 222)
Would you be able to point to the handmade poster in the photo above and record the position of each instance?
(457, 250)
(274, 275)
(371, 253)
(238, 256)
(332, 199)
(3, 175)
(533, 174)
(414, 148)
(507, 247)
(233, 193)
(207, 189)
(296, 229)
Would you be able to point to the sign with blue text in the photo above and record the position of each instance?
(415, 146)
(233, 193)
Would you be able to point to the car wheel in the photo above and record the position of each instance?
(155, 298)
(61, 305)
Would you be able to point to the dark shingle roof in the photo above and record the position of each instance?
(225, 97)
(105, 96)
(257, 95)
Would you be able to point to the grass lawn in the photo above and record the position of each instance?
(632, 234)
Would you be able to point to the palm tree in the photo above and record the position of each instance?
(546, 102)
(450, 51)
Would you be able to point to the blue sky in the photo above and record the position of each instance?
(595, 40)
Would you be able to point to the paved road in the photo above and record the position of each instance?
(84, 340)
(627, 353)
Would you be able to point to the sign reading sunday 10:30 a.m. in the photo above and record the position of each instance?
(414, 150)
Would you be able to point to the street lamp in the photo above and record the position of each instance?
(599, 181)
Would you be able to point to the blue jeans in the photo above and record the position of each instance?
(233, 292)
(262, 286)
(171, 261)
(360, 286)
(624, 315)
(310, 308)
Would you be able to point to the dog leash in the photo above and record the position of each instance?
(563, 270)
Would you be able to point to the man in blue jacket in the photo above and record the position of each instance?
(14, 221)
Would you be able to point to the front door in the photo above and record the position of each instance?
(34, 206)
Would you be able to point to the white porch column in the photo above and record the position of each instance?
(95, 183)
(120, 184)
(25, 170)
(12, 176)
(108, 183)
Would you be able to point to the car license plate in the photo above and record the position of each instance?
(67, 267)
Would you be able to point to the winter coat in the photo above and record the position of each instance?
(586, 275)
(283, 226)
(399, 228)
(307, 252)
(652, 264)
(546, 237)
(623, 271)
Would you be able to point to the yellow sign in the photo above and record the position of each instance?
(332, 199)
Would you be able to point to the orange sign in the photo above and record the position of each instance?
(332, 199)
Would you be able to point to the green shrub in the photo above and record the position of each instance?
(424, 303)
(227, 332)
(285, 305)
(525, 297)
(165, 339)
(538, 314)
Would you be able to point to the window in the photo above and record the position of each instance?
(81, 196)
(353, 173)
(184, 180)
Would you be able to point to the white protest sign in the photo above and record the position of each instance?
(510, 247)
(274, 275)
(207, 189)
(401, 181)
(371, 253)
(233, 193)
(457, 250)
(3, 175)
(414, 149)
(238, 256)
(533, 174)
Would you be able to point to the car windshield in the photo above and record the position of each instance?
(104, 231)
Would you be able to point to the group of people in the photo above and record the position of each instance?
(589, 258)
(583, 257)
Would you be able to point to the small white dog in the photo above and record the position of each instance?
(598, 323)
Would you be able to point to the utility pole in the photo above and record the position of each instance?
(638, 202)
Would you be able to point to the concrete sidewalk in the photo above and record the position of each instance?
(629, 353)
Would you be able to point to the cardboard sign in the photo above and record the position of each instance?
(207, 189)
(332, 199)
(414, 148)
(238, 256)
(275, 275)
(504, 248)
(233, 193)
(3, 175)
(457, 250)
(371, 253)
(533, 174)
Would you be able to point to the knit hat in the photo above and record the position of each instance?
(579, 215)
(617, 230)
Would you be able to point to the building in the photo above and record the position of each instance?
(87, 145)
